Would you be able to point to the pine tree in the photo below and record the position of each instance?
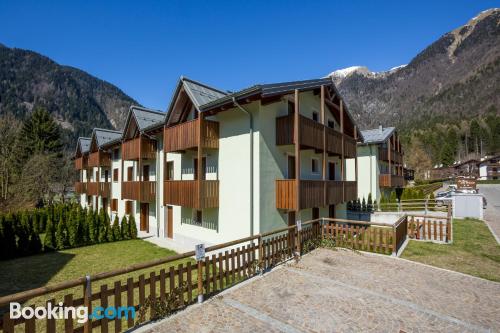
(84, 228)
(92, 226)
(133, 227)
(35, 244)
(369, 205)
(117, 235)
(9, 237)
(363, 205)
(125, 229)
(72, 229)
(22, 233)
(61, 235)
(49, 242)
(358, 205)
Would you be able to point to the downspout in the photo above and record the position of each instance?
(250, 117)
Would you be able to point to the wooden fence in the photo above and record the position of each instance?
(164, 280)
(430, 228)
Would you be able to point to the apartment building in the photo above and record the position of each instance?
(380, 162)
(489, 168)
(219, 166)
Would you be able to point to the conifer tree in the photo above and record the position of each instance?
(369, 204)
(117, 235)
(92, 226)
(72, 229)
(22, 232)
(9, 237)
(61, 235)
(125, 229)
(49, 242)
(35, 244)
(84, 228)
(133, 227)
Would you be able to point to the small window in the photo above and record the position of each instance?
(315, 116)
(314, 166)
(115, 174)
(89, 200)
(331, 124)
(114, 205)
(116, 154)
(291, 107)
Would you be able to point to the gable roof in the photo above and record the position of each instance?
(82, 145)
(493, 157)
(144, 118)
(377, 135)
(105, 137)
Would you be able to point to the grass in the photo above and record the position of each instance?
(474, 251)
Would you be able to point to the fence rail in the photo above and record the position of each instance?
(223, 266)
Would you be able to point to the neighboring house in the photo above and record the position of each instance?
(467, 168)
(409, 174)
(489, 168)
(220, 166)
(380, 162)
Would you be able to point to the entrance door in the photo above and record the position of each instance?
(331, 171)
(169, 171)
(315, 213)
(291, 167)
(331, 211)
(144, 226)
(291, 218)
(203, 168)
(169, 225)
(145, 173)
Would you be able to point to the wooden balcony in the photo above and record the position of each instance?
(311, 132)
(185, 193)
(144, 191)
(81, 163)
(99, 159)
(140, 147)
(81, 187)
(102, 189)
(387, 180)
(92, 188)
(184, 136)
(313, 193)
(396, 157)
(311, 136)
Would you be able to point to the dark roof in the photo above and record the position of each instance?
(200, 93)
(146, 119)
(267, 90)
(83, 144)
(495, 156)
(105, 137)
(377, 135)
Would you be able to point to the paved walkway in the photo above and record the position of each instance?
(344, 291)
(492, 212)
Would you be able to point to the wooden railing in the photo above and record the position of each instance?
(92, 188)
(313, 193)
(311, 132)
(105, 189)
(140, 147)
(223, 266)
(143, 191)
(81, 187)
(185, 193)
(185, 136)
(430, 228)
(396, 156)
(333, 141)
(350, 148)
(81, 163)
(99, 159)
(387, 180)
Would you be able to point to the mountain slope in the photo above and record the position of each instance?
(456, 77)
(77, 100)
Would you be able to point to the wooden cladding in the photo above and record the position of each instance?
(184, 136)
(185, 193)
(144, 191)
(313, 193)
(311, 136)
(129, 207)
(140, 147)
(100, 189)
(396, 156)
(99, 159)
(81, 163)
(81, 187)
(387, 180)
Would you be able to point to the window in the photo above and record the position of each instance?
(331, 123)
(130, 173)
(315, 213)
(89, 200)
(291, 107)
(169, 172)
(314, 165)
(315, 117)
(128, 207)
(114, 205)
(115, 174)
(116, 154)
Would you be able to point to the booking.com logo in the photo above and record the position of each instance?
(80, 313)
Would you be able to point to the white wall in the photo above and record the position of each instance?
(368, 171)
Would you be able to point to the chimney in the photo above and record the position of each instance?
(380, 128)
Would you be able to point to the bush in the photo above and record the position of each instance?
(117, 234)
(49, 243)
(124, 228)
(132, 227)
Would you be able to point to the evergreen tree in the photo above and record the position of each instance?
(84, 228)
(358, 205)
(447, 155)
(117, 235)
(125, 229)
(49, 242)
(103, 231)
(72, 229)
(363, 205)
(61, 235)
(35, 244)
(9, 237)
(133, 227)
(22, 232)
(369, 205)
(92, 226)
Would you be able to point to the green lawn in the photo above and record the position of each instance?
(474, 251)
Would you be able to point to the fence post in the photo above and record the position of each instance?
(200, 281)
(426, 201)
(322, 228)
(394, 240)
(87, 302)
(298, 228)
(261, 254)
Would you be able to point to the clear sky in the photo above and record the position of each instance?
(144, 46)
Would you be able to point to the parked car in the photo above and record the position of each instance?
(445, 199)
(443, 193)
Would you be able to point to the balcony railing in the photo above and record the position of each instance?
(184, 136)
(144, 191)
(388, 180)
(99, 159)
(396, 156)
(81, 163)
(185, 193)
(81, 187)
(140, 147)
(313, 193)
(311, 136)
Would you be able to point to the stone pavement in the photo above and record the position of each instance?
(345, 291)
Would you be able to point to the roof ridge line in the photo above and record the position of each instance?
(203, 84)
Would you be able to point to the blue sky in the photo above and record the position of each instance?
(144, 46)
